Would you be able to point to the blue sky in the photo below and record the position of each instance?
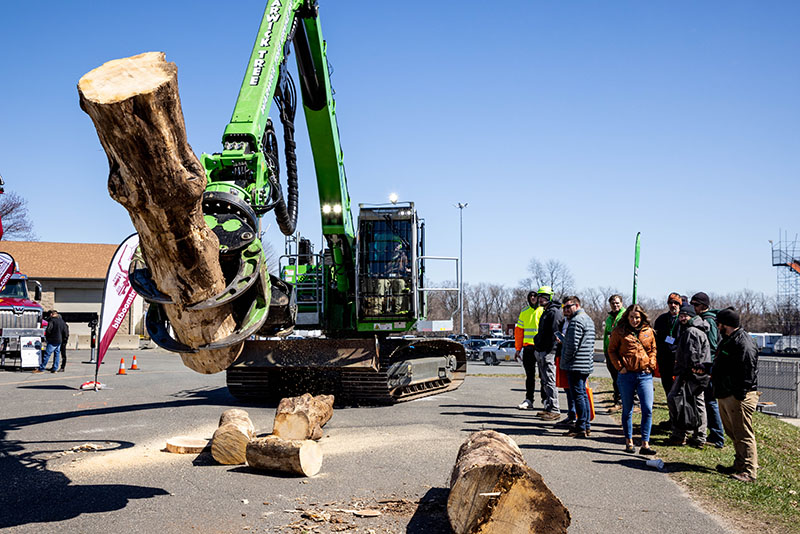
(566, 126)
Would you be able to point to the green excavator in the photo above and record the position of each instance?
(364, 292)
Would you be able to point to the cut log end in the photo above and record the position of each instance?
(209, 362)
(493, 490)
(302, 417)
(230, 440)
(120, 79)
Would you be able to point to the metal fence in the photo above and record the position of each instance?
(779, 381)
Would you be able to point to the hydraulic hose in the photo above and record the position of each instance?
(286, 101)
(286, 209)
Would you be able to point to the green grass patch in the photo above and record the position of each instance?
(772, 501)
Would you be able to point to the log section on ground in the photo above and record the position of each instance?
(229, 443)
(303, 457)
(186, 445)
(492, 489)
(302, 417)
(136, 110)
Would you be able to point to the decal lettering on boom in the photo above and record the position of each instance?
(258, 65)
(275, 60)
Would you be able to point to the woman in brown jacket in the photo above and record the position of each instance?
(632, 351)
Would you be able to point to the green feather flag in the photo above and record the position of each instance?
(636, 266)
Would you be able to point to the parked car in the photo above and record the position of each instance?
(474, 346)
(500, 352)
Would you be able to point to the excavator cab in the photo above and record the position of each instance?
(386, 263)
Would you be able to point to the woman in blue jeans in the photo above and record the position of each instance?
(632, 351)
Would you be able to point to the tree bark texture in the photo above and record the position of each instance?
(136, 109)
(493, 490)
(303, 457)
(230, 440)
(302, 417)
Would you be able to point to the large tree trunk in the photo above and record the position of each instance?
(303, 457)
(136, 110)
(492, 489)
(230, 440)
(302, 417)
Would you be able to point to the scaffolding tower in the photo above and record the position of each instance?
(786, 257)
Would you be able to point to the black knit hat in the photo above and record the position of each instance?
(728, 317)
(687, 309)
(700, 298)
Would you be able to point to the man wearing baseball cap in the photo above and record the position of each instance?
(667, 326)
(692, 364)
(735, 374)
(702, 305)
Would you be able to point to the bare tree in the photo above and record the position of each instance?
(15, 218)
(551, 273)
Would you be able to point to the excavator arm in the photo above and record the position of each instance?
(243, 181)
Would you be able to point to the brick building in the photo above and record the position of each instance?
(72, 277)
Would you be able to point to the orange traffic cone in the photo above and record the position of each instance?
(122, 367)
(134, 367)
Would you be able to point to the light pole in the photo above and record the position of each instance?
(461, 206)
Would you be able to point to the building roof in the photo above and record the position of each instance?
(42, 260)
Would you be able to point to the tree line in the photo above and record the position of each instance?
(496, 303)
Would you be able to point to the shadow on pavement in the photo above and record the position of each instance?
(431, 514)
(52, 387)
(33, 494)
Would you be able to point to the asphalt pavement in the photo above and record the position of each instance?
(380, 457)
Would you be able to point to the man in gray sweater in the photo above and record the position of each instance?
(578, 361)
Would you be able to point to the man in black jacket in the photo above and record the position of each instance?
(544, 347)
(735, 379)
(54, 335)
(692, 365)
(667, 329)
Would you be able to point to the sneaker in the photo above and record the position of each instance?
(630, 449)
(572, 432)
(551, 416)
(527, 404)
(647, 451)
(725, 469)
(742, 477)
(53, 370)
(696, 443)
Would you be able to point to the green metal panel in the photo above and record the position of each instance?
(258, 87)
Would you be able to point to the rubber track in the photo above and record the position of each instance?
(353, 386)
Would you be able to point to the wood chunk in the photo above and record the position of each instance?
(186, 445)
(230, 440)
(302, 417)
(136, 109)
(303, 457)
(489, 463)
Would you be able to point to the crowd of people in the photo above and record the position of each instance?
(707, 364)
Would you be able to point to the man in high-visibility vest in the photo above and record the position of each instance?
(614, 315)
(527, 327)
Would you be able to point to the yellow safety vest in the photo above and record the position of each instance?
(528, 322)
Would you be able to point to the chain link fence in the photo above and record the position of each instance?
(779, 381)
